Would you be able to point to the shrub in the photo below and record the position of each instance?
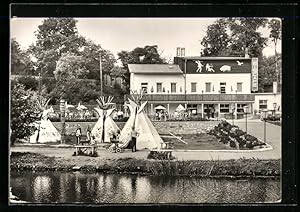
(23, 112)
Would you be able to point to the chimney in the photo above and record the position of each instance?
(246, 53)
(182, 52)
(178, 51)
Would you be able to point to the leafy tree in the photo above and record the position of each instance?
(91, 53)
(231, 37)
(24, 112)
(20, 60)
(148, 54)
(275, 34)
(29, 82)
(216, 39)
(55, 36)
(266, 75)
(68, 68)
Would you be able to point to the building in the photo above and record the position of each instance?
(206, 86)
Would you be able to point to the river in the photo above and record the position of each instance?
(99, 188)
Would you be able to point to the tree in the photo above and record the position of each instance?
(216, 40)
(146, 55)
(266, 75)
(231, 37)
(55, 36)
(91, 53)
(20, 60)
(275, 34)
(69, 67)
(24, 112)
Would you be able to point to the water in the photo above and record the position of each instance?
(76, 187)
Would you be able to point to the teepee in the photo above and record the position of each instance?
(148, 137)
(46, 132)
(105, 125)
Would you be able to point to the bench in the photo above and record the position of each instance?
(162, 153)
(82, 148)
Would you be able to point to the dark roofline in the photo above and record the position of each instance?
(215, 58)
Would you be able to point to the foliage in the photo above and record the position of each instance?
(267, 71)
(29, 82)
(20, 60)
(216, 39)
(55, 36)
(231, 37)
(146, 55)
(91, 53)
(24, 112)
(236, 138)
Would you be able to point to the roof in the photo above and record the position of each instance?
(215, 58)
(154, 68)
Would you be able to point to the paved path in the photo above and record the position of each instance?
(255, 127)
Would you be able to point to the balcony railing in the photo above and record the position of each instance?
(196, 97)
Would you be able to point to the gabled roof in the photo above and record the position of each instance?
(154, 69)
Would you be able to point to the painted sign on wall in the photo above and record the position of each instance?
(254, 74)
(211, 66)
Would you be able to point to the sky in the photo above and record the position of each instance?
(116, 34)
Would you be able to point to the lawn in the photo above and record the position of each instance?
(199, 141)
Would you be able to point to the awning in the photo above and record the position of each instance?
(159, 107)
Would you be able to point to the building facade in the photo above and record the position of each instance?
(206, 86)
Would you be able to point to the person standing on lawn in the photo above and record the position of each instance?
(78, 134)
(134, 136)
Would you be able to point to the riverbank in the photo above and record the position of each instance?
(203, 168)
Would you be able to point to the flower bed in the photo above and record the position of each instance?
(234, 137)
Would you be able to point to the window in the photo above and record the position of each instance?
(173, 87)
(263, 104)
(240, 108)
(193, 86)
(159, 87)
(224, 108)
(222, 87)
(239, 86)
(208, 87)
(144, 86)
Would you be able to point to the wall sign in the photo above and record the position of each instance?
(214, 66)
(254, 74)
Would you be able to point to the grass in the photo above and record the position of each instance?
(209, 168)
(198, 141)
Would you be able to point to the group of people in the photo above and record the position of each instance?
(115, 137)
(161, 116)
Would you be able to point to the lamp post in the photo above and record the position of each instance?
(232, 114)
(265, 112)
(274, 107)
(246, 112)
(100, 69)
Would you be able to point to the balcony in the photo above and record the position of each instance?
(196, 97)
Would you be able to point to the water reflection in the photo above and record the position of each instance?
(112, 188)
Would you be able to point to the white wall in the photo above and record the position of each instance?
(166, 80)
(215, 79)
(270, 97)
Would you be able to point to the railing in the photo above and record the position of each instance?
(197, 97)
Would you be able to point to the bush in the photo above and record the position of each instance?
(227, 133)
(23, 112)
(29, 82)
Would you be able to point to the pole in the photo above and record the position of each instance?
(101, 80)
(246, 122)
(63, 120)
(40, 86)
(265, 131)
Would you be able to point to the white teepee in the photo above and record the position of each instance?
(109, 126)
(105, 123)
(46, 132)
(148, 137)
